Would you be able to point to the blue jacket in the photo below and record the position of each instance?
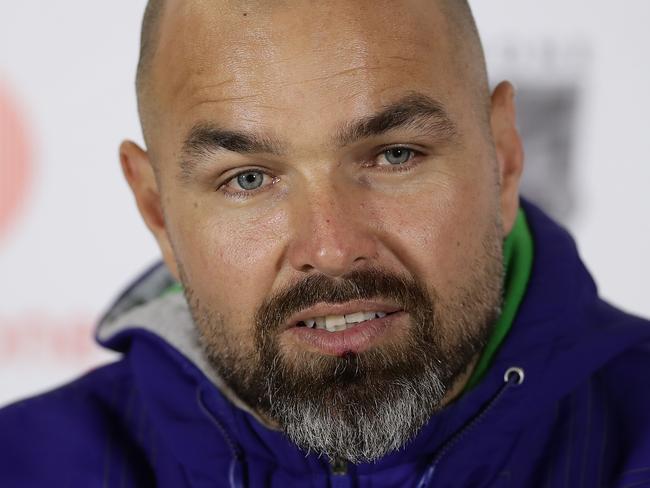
(576, 412)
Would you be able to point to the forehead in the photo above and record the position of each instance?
(274, 62)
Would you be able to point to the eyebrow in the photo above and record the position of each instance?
(415, 110)
(205, 139)
(412, 111)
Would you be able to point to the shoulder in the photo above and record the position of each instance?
(82, 404)
(623, 388)
(65, 437)
(625, 381)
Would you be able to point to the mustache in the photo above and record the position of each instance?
(406, 292)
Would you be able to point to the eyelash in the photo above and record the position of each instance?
(408, 165)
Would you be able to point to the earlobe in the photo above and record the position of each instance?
(509, 151)
(140, 176)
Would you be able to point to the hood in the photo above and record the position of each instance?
(149, 308)
(562, 334)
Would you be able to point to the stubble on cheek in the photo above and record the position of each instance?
(223, 340)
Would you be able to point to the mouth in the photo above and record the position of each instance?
(338, 323)
(338, 329)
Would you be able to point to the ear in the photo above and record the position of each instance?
(509, 151)
(140, 176)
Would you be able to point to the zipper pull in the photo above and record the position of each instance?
(339, 466)
(339, 478)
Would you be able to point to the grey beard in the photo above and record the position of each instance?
(358, 431)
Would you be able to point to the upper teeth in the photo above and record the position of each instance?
(335, 323)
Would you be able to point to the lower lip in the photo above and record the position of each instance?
(353, 340)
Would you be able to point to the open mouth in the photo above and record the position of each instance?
(337, 323)
(339, 328)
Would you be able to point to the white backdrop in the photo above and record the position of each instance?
(70, 236)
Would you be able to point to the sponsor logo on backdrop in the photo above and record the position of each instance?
(15, 160)
(46, 338)
(44, 342)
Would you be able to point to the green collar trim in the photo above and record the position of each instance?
(173, 288)
(518, 260)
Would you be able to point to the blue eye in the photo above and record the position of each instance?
(250, 180)
(397, 155)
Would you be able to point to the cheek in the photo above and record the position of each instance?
(438, 232)
(230, 259)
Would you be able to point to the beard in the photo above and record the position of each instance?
(359, 406)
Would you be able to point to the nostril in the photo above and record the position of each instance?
(306, 268)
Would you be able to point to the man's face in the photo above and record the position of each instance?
(321, 163)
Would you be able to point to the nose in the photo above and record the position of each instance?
(332, 232)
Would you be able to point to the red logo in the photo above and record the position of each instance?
(15, 160)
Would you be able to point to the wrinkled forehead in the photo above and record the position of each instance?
(239, 60)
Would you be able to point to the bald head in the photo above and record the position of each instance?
(148, 41)
(465, 39)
